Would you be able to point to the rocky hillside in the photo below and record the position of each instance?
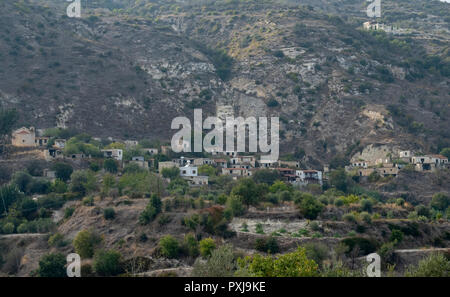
(125, 70)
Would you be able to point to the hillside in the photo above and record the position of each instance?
(335, 87)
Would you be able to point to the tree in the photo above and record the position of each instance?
(52, 265)
(169, 246)
(221, 263)
(234, 205)
(171, 173)
(310, 207)
(278, 186)
(207, 245)
(107, 263)
(152, 209)
(339, 179)
(110, 165)
(8, 118)
(440, 201)
(207, 170)
(247, 190)
(63, 171)
(8, 195)
(266, 176)
(85, 243)
(396, 236)
(446, 152)
(21, 179)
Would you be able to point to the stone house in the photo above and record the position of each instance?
(150, 151)
(267, 163)
(24, 137)
(140, 161)
(116, 154)
(202, 161)
(59, 143)
(221, 163)
(41, 141)
(310, 176)
(168, 164)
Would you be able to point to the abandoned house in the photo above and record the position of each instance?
(41, 141)
(309, 176)
(116, 154)
(24, 137)
(59, 143)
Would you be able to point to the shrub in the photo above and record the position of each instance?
(294, 264)
(169, 246)
(85, 243)
(109, 213)
(68, 212)
(349, 217)
(56, 240)
(365, 246)
(435, 265)
(267, 245)
(317, 252)
(440, 201)
(107, 263)
(221, 263)
(366, 218)
(190, 245)
(52, 265)
(8, 228)
(235, 205)
(396, 236)
(171, 172)
(366, 205)
(153, 208)
(207, 246)
(88, 201)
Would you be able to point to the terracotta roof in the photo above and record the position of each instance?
(439, 157)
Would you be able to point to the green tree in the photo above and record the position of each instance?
(339, 180)
(310, 207)
(52, 265)
(247, 190)
(171, 173)
(85, 243)
(8, 195)
(221, 263)
(63, 171)
(207, 245)
(446, 152)
(152, 209)
(110, 165)
(435, 265)
(21, 179)
(8, 118)
(266, 176)
(207, 170)
(107, 263)
(169, 246)
(440, 201)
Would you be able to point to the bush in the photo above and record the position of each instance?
(107, 263)
(317, 252)
(294, 264)
(235, 205)
(169, 247)
(365, 246)
(396, 236)
(190, 245)
(366, 205)
(207, 245)
(152, 209)
(109, 213)
(269, 245)
(68, 212)
(8, 228)
(56, 240)
(440, 201)
(52, 265)
(85, 243)
(435, 265)
(171, 173)
(366, 218)
(221, 263)
(349, 217)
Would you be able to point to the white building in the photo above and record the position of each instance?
(116, 154)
